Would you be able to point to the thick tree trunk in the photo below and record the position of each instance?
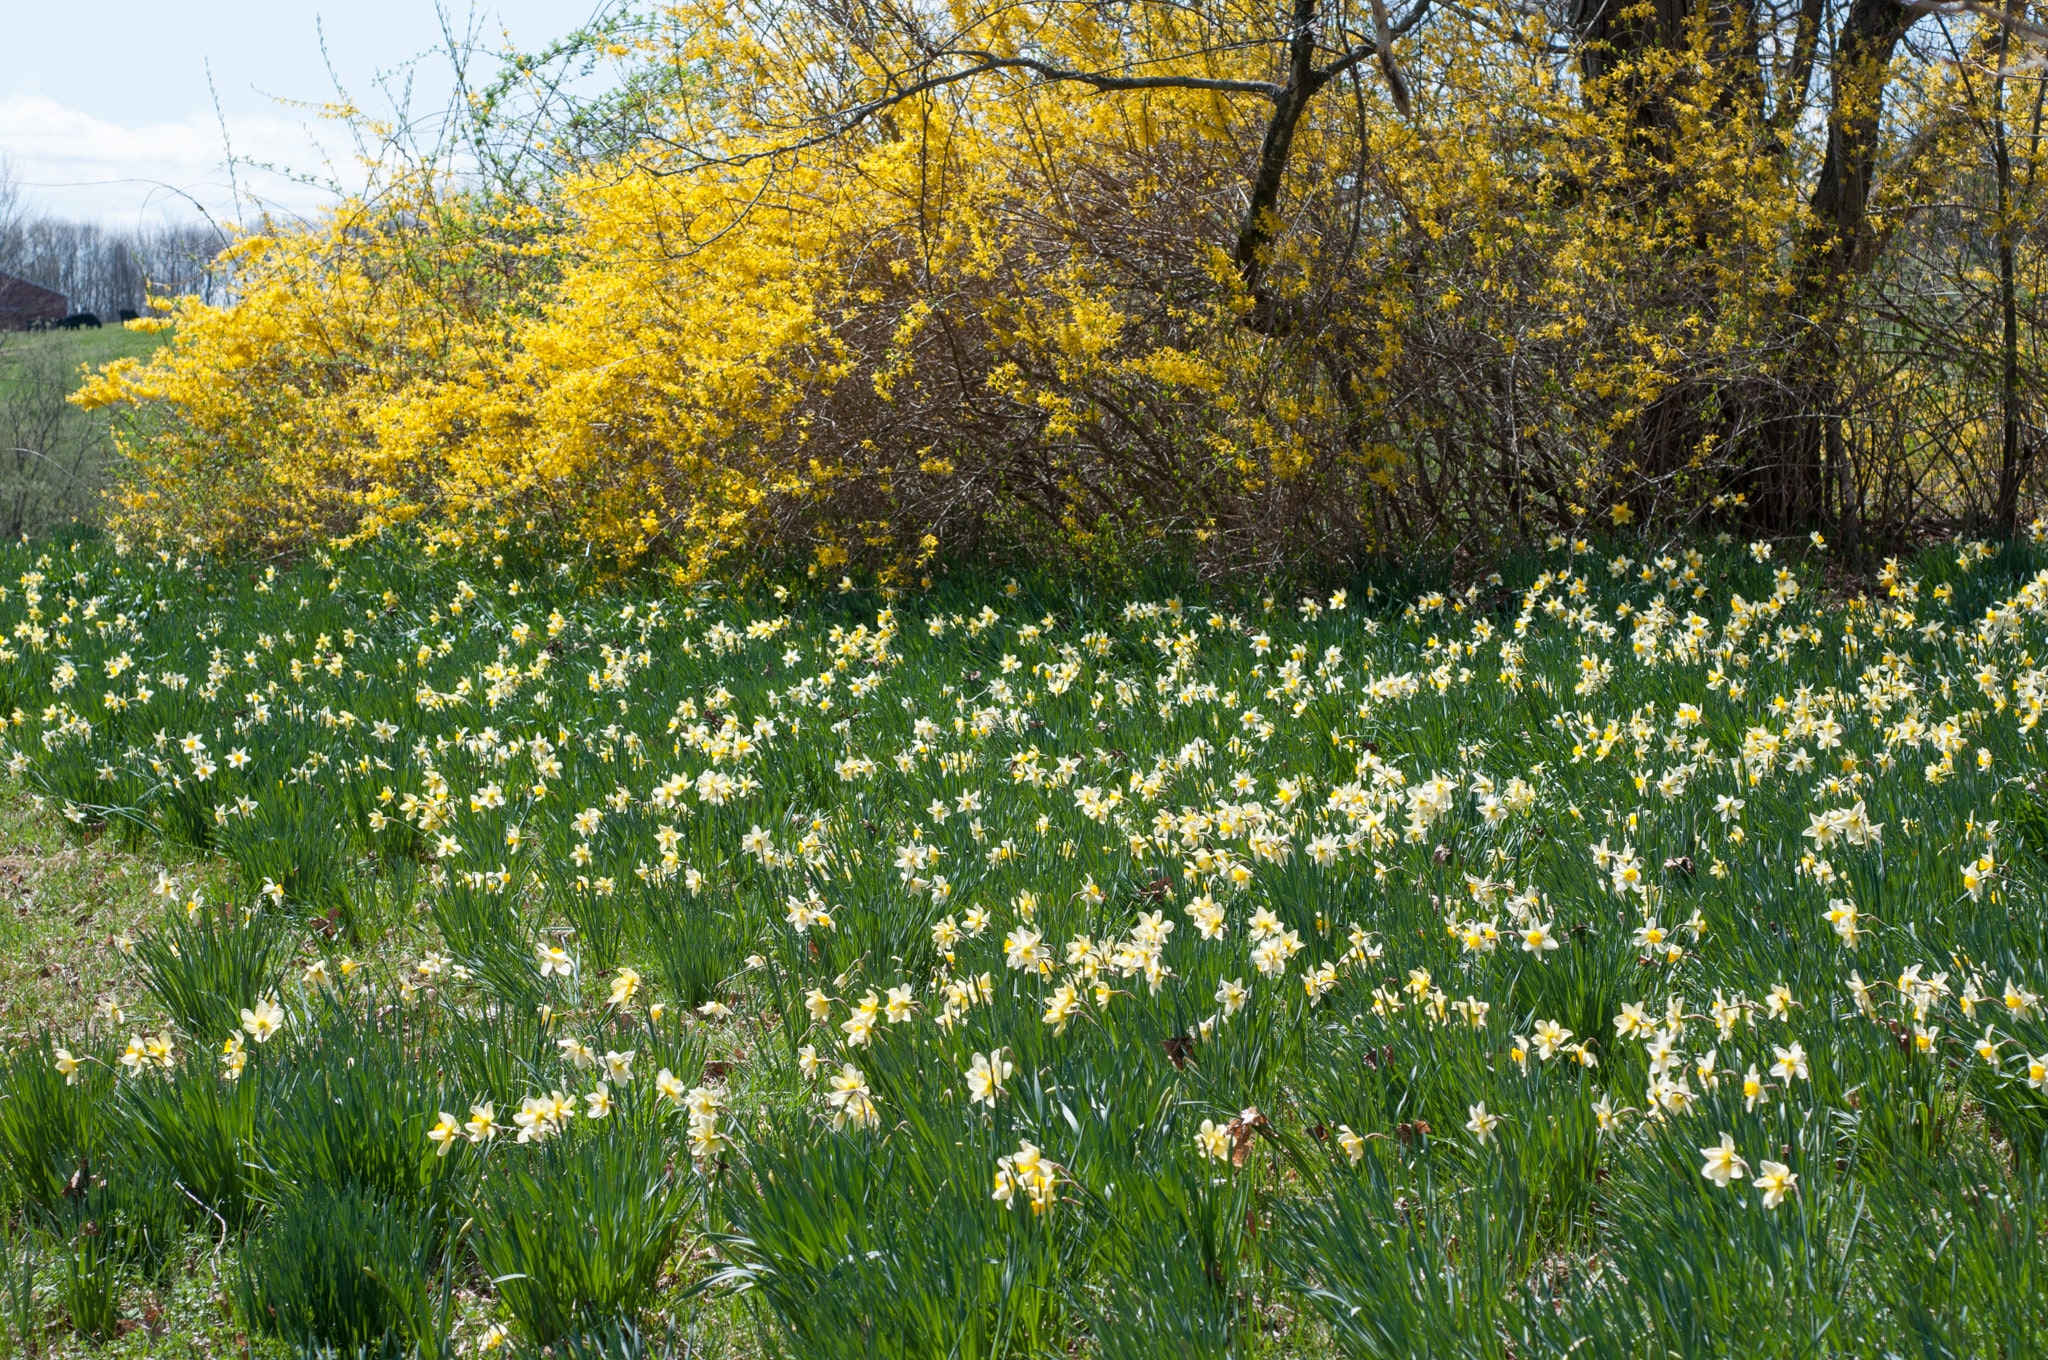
(2012, 453)
(1786, 476)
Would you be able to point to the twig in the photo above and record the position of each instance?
(221, 1245)
(37, 453)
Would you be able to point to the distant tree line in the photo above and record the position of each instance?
(54, 458)
(107, 270)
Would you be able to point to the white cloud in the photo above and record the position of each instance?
(77, 165)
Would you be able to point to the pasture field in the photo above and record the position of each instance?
(112, 341)
(1638, 952)
(55, 458)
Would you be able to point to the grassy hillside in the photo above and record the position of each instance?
(436, 955)
(53, 456)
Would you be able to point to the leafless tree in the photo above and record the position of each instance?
(105, 270)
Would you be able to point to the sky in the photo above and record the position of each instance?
(120, 111)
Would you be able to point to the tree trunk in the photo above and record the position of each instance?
(1255, 235)
(1660, 442)
(1785, 473)
(2012, 456)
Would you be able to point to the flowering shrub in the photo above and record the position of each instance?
(1624, 953)
(911, 287)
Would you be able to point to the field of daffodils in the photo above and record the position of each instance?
(1637, 953)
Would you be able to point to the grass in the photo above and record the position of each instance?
(64, 900)
(70, 349)
(55, 458)
(644, 959)
(68, 899)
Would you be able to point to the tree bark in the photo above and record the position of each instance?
(2012, 455)
(1256, 234)
(1786, 477)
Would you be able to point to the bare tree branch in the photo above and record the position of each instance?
(2011, 19)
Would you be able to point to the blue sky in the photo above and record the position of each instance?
(105, 110)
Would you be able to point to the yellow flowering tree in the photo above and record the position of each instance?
(1248, 285)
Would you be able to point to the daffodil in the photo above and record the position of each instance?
(263, 1020)
(850, 1101)
(444, 1133)
(1775, 1180)
(986, 1074)
(1060, 1007)
(1721, 1164)
(1026, 1170)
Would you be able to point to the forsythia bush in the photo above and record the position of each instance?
(805, 316)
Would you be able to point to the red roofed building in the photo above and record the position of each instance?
(23, 304)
